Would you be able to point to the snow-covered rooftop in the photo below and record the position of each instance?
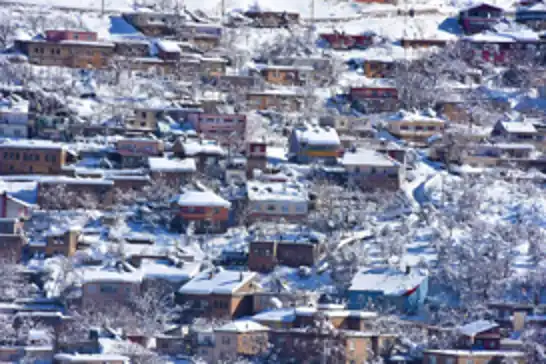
(31, 144)
(158, 164)
(168, 46)
(242, 326)
(275, 191)
(202, 199)
(217, 281)
(387, 281)
(477, 327)
(518, 127)
(192, 148)
(368, 157)
(90, 358)
(152, 268)
(317, 135)
(406, 116)
(479, 353)
(100, 275)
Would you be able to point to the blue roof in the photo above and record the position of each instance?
(119, 26)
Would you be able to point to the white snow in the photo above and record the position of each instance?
(518, 127)
(367, 157)
(100, 275)
(202, 199)
(156, 269)
(477, 327)
(218, 281)
(276, 191)
(389, 282)
(91, 358)
(168, 46)
(317, 135)
(242, 326)
(158, 164)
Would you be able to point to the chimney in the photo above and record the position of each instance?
(241, 276)
(408, 269)
(211, 274)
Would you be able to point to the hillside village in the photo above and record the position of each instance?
(323, 182)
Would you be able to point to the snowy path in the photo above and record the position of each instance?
(415, 190)
(354, 237)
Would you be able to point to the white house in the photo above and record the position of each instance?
(277, 200)
(14, 119)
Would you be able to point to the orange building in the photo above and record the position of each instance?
(208, 211)
(33, 157)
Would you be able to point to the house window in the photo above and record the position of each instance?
(270, 207)
(105, 288)
(450, 361)
(469, 361)
(351, 345)
(432, 359)
(285, 209)
(225, 341)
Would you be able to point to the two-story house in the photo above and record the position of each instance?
(240, 338)
(404, 291)
(134, 152)
(285, 100)
(374, 99)
(275, 201)
(33, 157)
(372, 170)
(207, 153)
(480, 335)
(220, 293)
(69, 48)
(62, 242)
(285, 74)
(13, 208)
(480, 17)
(175, 172)
(12, 239)
(517, 132)
(205, 209)
(110, 287)
(311, 143)
(265, 254)
(414, 127)
(14, 120)
(225, 126)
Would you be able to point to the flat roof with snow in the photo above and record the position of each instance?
(158, 164)
(90, 276)
(168, 46)
(367, 157)
(275, 191)
(217, 281)
(519, 127)
(477, 327)
(202, 199)
(87, 358)
(242, 326)
(390, 282)
(317, 135)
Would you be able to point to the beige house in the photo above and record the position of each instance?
(108, 287)
(414, 127)
(239, 338)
